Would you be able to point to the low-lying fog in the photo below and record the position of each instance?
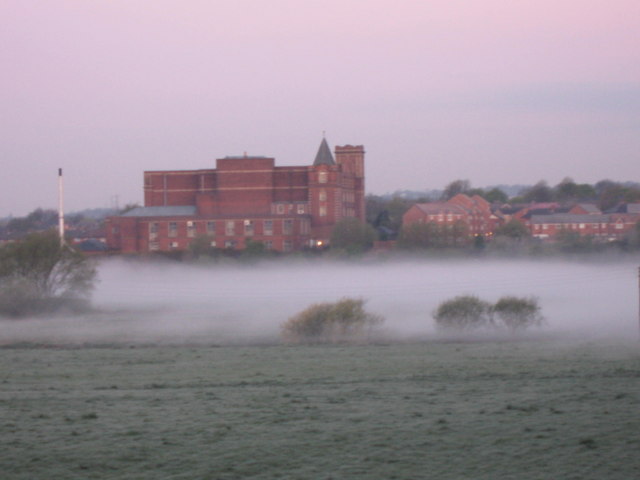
(147, 302)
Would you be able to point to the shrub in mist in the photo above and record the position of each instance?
(517, 313)
(465, 312)
(343, 321)
(37, 274)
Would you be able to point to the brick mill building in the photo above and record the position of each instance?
(243, 199)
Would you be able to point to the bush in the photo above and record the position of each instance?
(468, 312)
(465, 312)
(37, 275)
(342, 321)
(518, 313)
(352, 236)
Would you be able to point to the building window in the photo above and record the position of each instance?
(213, 243)
(267, 227)
(280, 208)
(153, 230)
(287, 246)
(173, 245)
(300, 208)
(323, 177)
(230, 244)
(153, 246)
(268, 244)
(173, 229)
(322, 196)
(287, 227)
(323, 211)
(248, 228)
(211, 228)
(229, 228)
(191, 229)
(304, 227)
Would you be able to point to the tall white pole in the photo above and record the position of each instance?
(60, 208)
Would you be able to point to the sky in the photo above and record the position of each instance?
(491, 91)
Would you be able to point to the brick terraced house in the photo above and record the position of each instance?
(243, 199)
(602, 227)
(474, 213)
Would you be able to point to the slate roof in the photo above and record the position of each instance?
(179, 211)
(569, 218)
(589, 208)
(437, 208)
(633, 208)
(324, 156)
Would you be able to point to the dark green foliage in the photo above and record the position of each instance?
(513, 229)
(345, 320)
(466, 312)
(540, 192)
(386, 213)
(201, 248)
(569, 191)
(572, 242)
(456, 187)
(38, 274)
(517, 313)
(352, 236)
(420, 235)
(495, 195)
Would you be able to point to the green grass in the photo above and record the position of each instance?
(432, 410)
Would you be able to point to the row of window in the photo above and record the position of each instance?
(287, 245)
(231, 227)
(288, 208)
(577, 226)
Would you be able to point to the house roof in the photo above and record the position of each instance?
(589, 207)
(569, 218)
(436, 208)
(633, 207)
(324, 156)
(173, 211)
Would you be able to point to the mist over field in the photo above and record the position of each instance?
(165, 302)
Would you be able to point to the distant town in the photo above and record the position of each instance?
(247, 204)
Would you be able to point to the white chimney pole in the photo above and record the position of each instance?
(60, 208)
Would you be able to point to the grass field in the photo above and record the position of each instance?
(486, 410)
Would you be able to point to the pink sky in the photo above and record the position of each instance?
(490, 91)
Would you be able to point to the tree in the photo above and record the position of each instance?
(345, 320)
(495, 195)
(38, 274)
(466, 312)
(353, 236)
(454, 188)
(386, 212)
(459, 233)
(513, 229)
(516, 313)
(569, 241)
(420, 235)
(540, 192)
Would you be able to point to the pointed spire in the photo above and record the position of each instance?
(324, 156)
